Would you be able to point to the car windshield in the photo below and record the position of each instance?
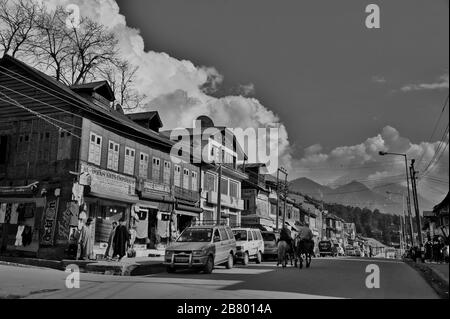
(196, 235)
(268, 236)
(240, 234)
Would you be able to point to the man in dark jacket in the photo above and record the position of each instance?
(121, 239)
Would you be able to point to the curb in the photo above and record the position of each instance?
(434, 278)
(116, 269)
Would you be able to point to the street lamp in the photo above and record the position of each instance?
(403, 237)
(408, 198)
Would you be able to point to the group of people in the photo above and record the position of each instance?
(436, 250)
(118, 243)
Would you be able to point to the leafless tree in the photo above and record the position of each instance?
(17, 24)
(121, 76)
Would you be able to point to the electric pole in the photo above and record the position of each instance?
(219, 193)
(282, 170)
(416, 202)
(285, 191)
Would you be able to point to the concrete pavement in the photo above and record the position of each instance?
(328, 278)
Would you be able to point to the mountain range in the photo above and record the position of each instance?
(359, 195)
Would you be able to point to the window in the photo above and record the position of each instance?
(143, 165)
(185, 178)
(194, 181)
(223, 234)
(113, 156)
(166, 172)
(210, 182)
(3, 149)
(156, 168)
(95, 148)
(177, 175)
(129, 161)
(234, 189)
(64, 146)
(224, 186)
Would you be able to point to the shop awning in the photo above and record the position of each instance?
(191, 209)
(120, 198)
(186, 213)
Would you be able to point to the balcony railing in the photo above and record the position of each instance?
(186, 194)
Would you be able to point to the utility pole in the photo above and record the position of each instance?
(285, 189)
(416, 202)
(219, 193)
(278, 199)
(282, 170)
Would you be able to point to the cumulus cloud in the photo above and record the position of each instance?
(246, 89)
(363, 163)
(178, 89)
(440, 84)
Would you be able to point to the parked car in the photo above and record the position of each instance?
(249, 245)
(327, 248)
(350, 251)
(202, 247)
(270, 244)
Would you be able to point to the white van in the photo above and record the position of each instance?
(249, 244)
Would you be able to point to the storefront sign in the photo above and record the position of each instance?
(49, 222)
(150, 187)
(107, 182)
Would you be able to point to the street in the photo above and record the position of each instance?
(327, 278)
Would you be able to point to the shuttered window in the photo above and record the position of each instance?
(129, 161)
(143, 165)
(95, 148)
(113, 156)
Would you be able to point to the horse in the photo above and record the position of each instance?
(304, 251)
(282, 250)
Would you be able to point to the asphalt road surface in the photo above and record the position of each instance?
(327, 278)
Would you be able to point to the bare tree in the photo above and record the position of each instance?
(53, 48)
(17, 24)
(121, 76)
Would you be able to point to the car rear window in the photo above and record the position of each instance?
(240, 234)
(268, 236)
(230, 233)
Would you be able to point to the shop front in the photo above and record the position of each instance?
(107, 197)
(256, 221)
(20, 216)
(153, 220)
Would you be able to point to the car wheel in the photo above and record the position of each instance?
(258, 257)
(230, 262)
(170, 270)
(246, 259)
(209, 266)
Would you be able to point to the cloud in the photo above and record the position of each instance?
(362, 162)
(378, 79)
(178, 89)
(440, 84)
(246, 89)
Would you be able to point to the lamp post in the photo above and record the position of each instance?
(408, 198)
(403, 237)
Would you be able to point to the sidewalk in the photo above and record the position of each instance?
(138, 266)
(435, 274)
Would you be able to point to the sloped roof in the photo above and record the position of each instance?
(151, 115)
(101, 86)
(86, 105)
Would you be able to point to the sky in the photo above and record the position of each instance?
(338, 91)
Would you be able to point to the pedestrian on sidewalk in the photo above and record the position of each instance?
(121, 239)
(109, 249)
(85, 243)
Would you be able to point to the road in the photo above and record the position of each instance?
(327, 278)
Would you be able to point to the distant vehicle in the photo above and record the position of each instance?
(270, 244)
(358, 252)
(249, 245)
(390, 253)
(350, 251)
(327, 248)
(202, 247)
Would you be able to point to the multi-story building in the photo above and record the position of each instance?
(69, 150)
(220, 174)
(349, 234)
(255, 195)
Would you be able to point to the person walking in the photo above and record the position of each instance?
(109, 249)
(121, 239)
(85, 243)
